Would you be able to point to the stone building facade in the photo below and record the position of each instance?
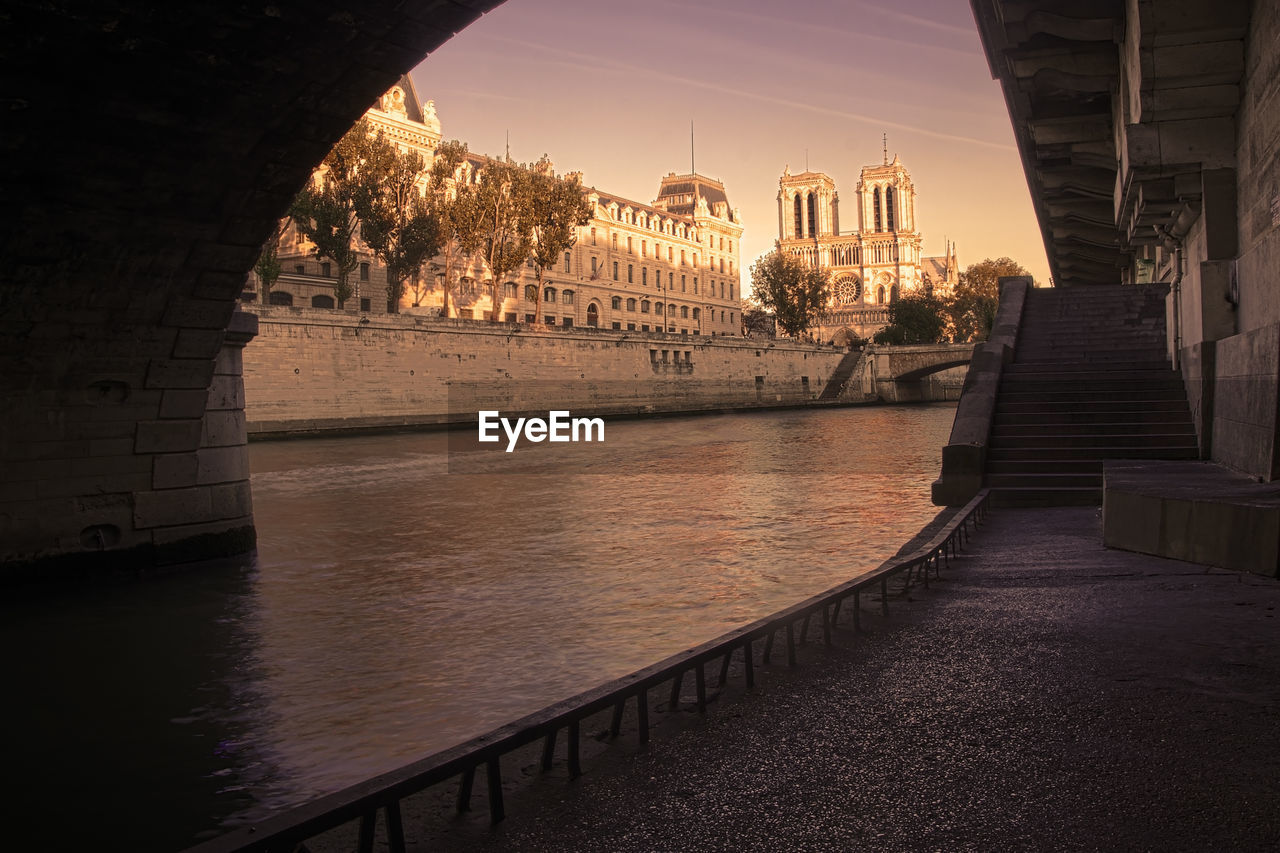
(875, 262)
(672, 265)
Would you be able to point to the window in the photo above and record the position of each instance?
(566, 321)
(670, 254)
(593, 236)
(722, 290)
(731, 317)
(616, 325)
(615, 270)
(616, 303)
(630, 273)
(671, 281)
(567, 296)
(280, 297)
(684, 311)
(631, 305)
(509, 317)
(722, 266)
(799, 226)
(299, 269)
(644, 248)
(731, 247)
(695, 260)
(566, 261)
(730, 290)
(366, 305)
(697, 313)
(888, 208)
(657, 308)
(531, 292)
(644, 306)
(631, 327)
(644, 276)
(813, 216)
(321, 301)
(722, 239)
(324, 269)
(593, 267)
(630, 251)
(644, 327)
(549, 294)
(695, 284)
(615, 242)
(875, 206)
(529, 318)
(509, 290)
(364, 272)
(682, 261)
(682, 282)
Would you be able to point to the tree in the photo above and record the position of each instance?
(972, 307)
(268, 266)
(454, 199)
(756, 321)
(504, 199)
(396, 221)
(325, 210)
(795, 292)
(557, 208)
(917, 318)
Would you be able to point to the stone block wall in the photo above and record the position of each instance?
(316, 370)
(1246, 394)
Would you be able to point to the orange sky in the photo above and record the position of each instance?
(608, 88)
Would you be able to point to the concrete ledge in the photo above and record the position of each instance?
(965, 456)
(1194, 511)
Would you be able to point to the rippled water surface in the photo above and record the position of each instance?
(411, 591)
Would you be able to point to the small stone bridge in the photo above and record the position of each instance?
(897, 374)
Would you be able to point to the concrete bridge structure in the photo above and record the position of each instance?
(149, 151)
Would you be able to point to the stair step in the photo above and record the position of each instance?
(1043, 480)
(1039, 496)
(1077, 416)
(1010, 454)
(1090, 407)
(1071, 440)
(1045, 466)
(1060, 431)
(1121, 395)
(1087, 366)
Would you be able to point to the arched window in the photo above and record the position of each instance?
(799, 218)
(531, 292)
(631, 305)
(684, 311)
(567, 296)
(616, 303)
(593, 315)
(281, 297)
(644, 306)
(321, 301)
(548, 294)
(875, 206)
(657, 308)
(880, 295)
(888, 207)
(813, 218)
(893, 293)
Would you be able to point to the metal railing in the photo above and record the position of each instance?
(384, 793)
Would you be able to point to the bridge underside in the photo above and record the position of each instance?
(149, 151)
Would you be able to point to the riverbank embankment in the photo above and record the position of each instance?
(312, 371)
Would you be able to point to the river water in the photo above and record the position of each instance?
(413, 590)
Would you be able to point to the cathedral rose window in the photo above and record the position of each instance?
(847, 291)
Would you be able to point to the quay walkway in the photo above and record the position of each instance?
(1044, 693)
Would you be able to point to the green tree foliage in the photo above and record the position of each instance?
(504, 197)
(325, 210)
(914, 319)
(557, 207)
(972, 307)
(796, 293)
(396, 221)
(757, 322)
(268, 266)
(454, 197)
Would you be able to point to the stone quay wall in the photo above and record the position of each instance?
(316, 370)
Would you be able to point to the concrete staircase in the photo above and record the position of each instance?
(840, 376)
(1089, 381)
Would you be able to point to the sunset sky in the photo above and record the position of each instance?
(608, 88)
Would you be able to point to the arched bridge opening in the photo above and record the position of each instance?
(145, 165)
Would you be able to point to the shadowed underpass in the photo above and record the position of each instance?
(1047, 693)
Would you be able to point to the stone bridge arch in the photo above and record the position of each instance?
(144, 167)
(899, 373)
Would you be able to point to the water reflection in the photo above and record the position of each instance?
(397, 606)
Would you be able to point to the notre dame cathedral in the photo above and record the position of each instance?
(870, 265)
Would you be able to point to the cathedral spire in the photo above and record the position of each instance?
(886, 149)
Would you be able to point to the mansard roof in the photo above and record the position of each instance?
(689, 188)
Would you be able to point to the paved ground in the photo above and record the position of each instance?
(1050, 694)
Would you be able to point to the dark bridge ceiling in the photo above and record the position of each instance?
(154, 141)
(1058, 64)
